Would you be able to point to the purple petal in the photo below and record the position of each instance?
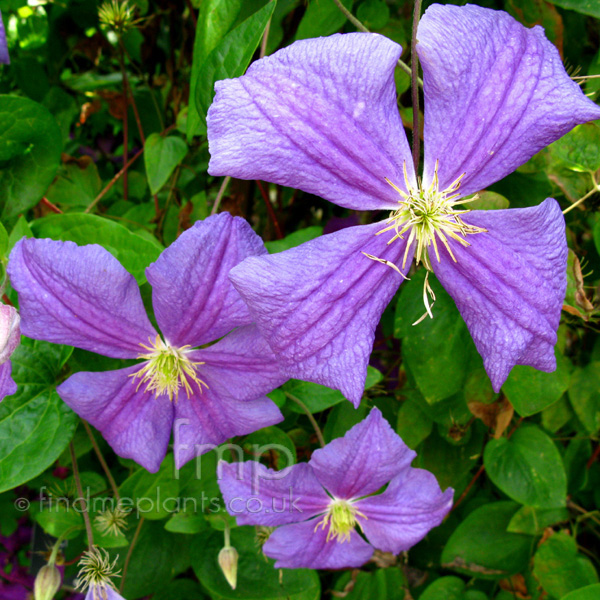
(80, 296)
(240, 365)
(367, 457)
(509, 285)
(96, 592)
(318, 304)
(209, 418)
(7, 386)
(495, 93)
(320, 116)
(4, 58)
(194, 301)
(10, 331)
(305, 546)
(411, 505)
(136, 424)
(256, 495)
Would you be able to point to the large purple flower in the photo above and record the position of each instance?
(10, 337)
(82, 296)
(319, 503)
(4, 57)
(321, 116)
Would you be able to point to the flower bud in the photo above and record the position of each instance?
(228, 560)
(47, 583)
(10, 331)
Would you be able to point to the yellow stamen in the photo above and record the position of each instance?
(341, 519)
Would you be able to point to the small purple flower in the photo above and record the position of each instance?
(316, 505)
(10, 337)
(83, 297)
(4, 57)
(321, 116)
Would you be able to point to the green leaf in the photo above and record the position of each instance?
(257, 579)
(382, 584)
(580, 148)
(590, 592)
(481, 547)
(374, 14)
(343, 417)
(30, 147)
(294, 239)
(3, 241)
(58, 519)
(530, 391)
(584, 395)
(434, 346)
(585, 7)
(180, 589)
(230, 57)
(186, 522)
(413, 424)
(273, 441)
(161, 157)
(528, 468)
(76, 185)
(154, 495)
(488, 201)
(19, 231)
(35, 424)
(322, 17)
(132, 251)
(559, 568)
(533, 521)
(450, 588)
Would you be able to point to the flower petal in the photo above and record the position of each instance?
(4, 58)
(318, 304)
(367, 457)
(210, 417)
(305, 546)
(241, 365)
(320, 116)
(256, 495)
(135, 423)
(80, 296)
(495, 94)
(96, 592)
(7, 386)
(194, 301)
(10, 331)
(509, 285)
(410, 507)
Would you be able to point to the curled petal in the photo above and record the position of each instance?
(320, 116)
(211, 416)
(80, 296)
(194, 301)
(318, 304)
(7, 386)
(509, 285)
(135, 423)
(305, 546)
(410, 507)
(10, 331)
(367, 457)
(495, 94)
(256, 495)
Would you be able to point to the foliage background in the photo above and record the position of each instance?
(103, 140)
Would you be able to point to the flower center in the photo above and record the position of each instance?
(96, 571)
(167, 369)
(341, 519)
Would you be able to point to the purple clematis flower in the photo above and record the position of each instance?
(4, 57)
(321, 116)
(10, 338)
(83, 297)
(316, 505)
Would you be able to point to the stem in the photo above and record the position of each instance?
(414, 62)
(265, 38)
(270, 210)
(220, 195)
(129, 552)
(590, 193)
(105, 468)
(468, 488)
(310, 418)
(125, 123)
(86, 516)
(51, 206)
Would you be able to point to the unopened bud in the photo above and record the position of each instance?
(47, 583)
(228, 560)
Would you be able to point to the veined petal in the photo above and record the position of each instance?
(96, 592)
(367, 457)
(320, 116)
(10, 331)
(135, 423)
(410, 507)
(80, 296)
(4, 58)
(211, 416)
(509, 285)
(241, 365)
(194, 301)
(318, 304)
(7, 386)
(256, 495)
(305, 546)
(495, 94)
